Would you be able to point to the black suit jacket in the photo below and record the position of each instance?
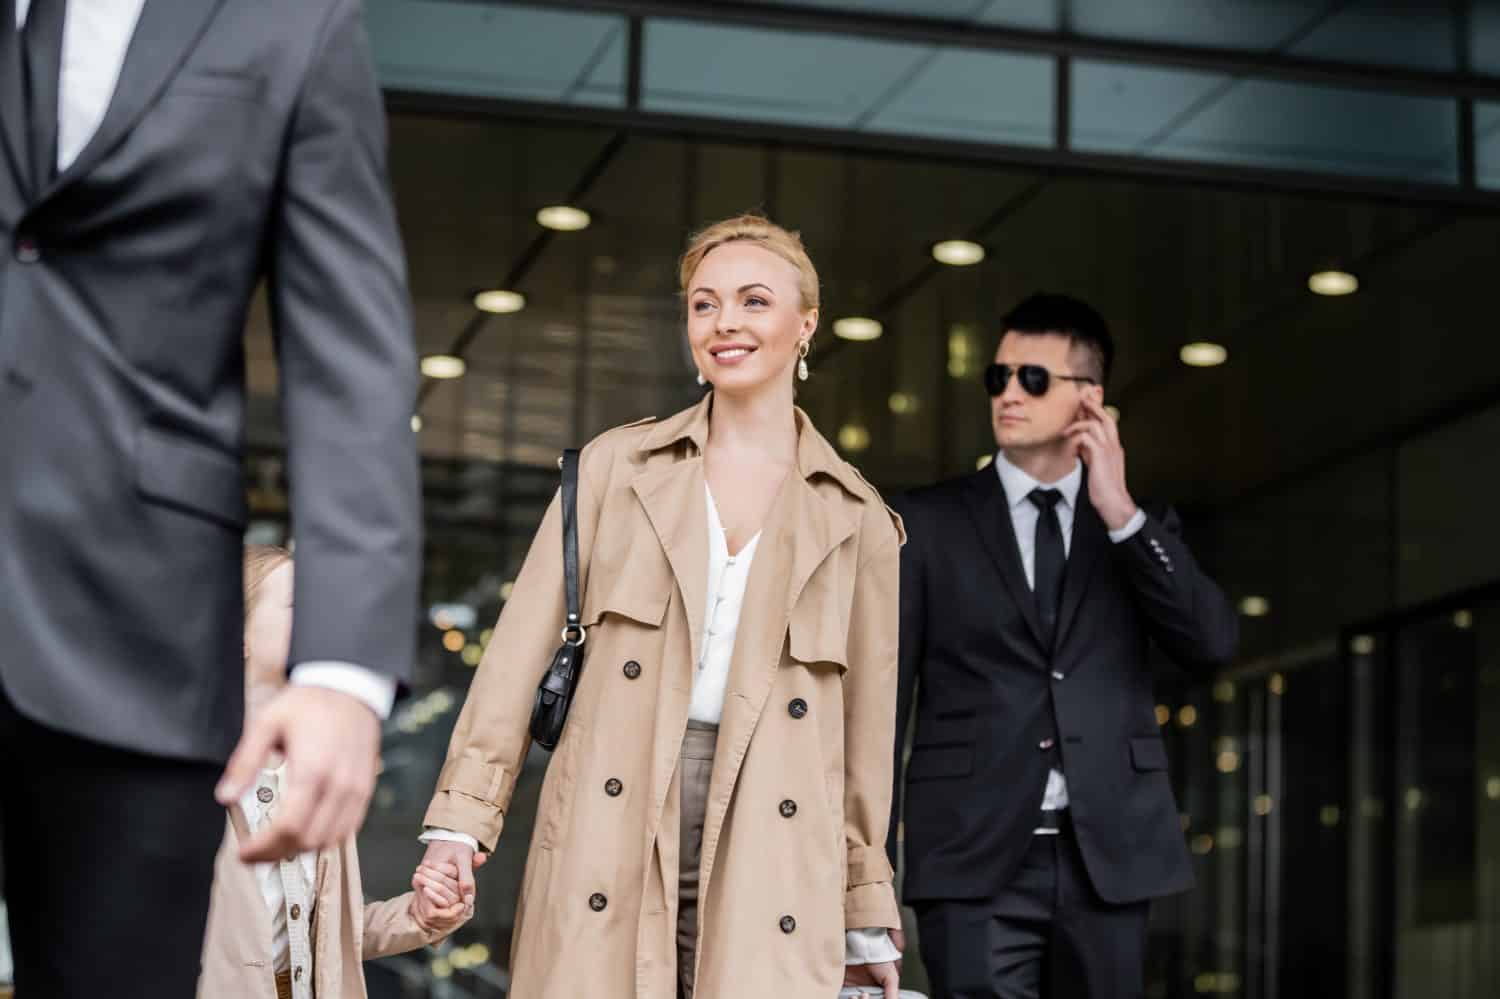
(244, 141)
(994, 705)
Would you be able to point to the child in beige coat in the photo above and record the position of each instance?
(300, 929)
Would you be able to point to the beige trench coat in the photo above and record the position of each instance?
(808, 718)
(237, 958)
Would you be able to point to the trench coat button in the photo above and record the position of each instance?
(1046, 744)
(597, 901)
(296, 911)
(27, 250)
(264, 795)
(788, 924)
(632, 670)
(788, 808)
(798, 708)
(613, 787)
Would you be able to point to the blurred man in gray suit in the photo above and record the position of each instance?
(158, 159)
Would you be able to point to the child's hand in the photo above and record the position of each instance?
(437, 884)
(439, 921)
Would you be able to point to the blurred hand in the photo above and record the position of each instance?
(331, 744)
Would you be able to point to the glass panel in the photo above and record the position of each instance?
(1445, 494)
(1484, 37)
(1414, 33)
(1212, 118)
(1487, 144)
(975, 97)
(501, 51)
(1438, 804)
(1241, 24)
(1039, 15)
(829, 81)
(1402, 33)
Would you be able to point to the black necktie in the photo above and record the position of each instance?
(1051, 559)
(41, 71)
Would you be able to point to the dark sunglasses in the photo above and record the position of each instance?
(1034, 378)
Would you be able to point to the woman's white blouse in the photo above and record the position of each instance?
(727, 576)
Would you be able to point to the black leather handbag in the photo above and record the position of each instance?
(555, 694)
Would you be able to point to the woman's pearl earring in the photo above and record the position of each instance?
(802, 348)
(701, 379)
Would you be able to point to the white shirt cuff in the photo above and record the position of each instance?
(449, 836)
(376, 690)
(871, 946)
(1131, 528)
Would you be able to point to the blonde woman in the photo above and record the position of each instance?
(714, 818)
(267, 921)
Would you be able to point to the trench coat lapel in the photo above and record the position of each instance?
(801, 532)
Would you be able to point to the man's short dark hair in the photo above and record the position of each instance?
(1066, 316)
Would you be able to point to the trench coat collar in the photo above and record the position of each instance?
(815, 456)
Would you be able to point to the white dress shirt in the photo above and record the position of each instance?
(96, 35)
(284, 884)
(1024, 515)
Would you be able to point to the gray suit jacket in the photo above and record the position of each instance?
(244, 141)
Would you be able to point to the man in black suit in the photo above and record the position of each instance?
(158, 159)
(1039, 819)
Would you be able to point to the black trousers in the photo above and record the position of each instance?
(1047, 936)
(108, 862)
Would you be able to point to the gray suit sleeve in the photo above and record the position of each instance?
(341, 317)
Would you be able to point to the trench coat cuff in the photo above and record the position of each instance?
(871, 905)
(471, 798)
(869, 899)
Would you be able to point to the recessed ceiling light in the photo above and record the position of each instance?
(1333, 283)
(564, 218)
(1255, 606)
(499, 301)
(957, 252)
(1204, 355)
(443, 366)
(904, 403)
(1362, 645)
(860, 328)
(854, 438)
(416, 423)
(1463, 620)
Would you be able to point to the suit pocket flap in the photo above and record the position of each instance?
(928, 762)
(1148, 753)
(182, 473)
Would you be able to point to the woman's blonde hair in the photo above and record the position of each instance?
(762, 232)
(260, 562)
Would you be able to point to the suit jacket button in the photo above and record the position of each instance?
(1046, 744)
(27, 250)
(598, 902)
(798, 708)
(788, 924)
(632, 670)
(788, 808)
(613, 787)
